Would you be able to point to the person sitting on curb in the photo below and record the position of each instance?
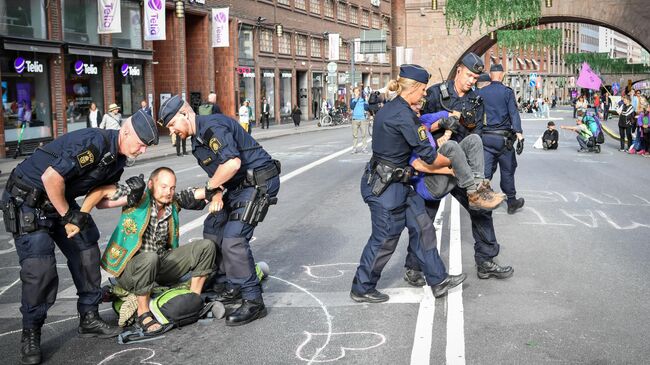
(550, 137)
(583, 133)
(144, 249)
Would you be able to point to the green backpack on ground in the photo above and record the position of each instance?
(178, 306)
(205, 109)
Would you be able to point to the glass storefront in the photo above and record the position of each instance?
(23, 18)
(247, 90)
(129, 86)
(285, 93)
(131, 36)
(80, 21)
(25, 96)
(267, 86)
(83, 85)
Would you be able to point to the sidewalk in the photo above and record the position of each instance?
(165, 148)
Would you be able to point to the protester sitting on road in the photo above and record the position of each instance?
(550, 137)
(144, 248)
(583, 133)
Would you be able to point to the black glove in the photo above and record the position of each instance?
(76, 217)
(187, 200)
(137, 186)
(450, 123)
(520, 146)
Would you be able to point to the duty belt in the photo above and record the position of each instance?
(20, 190)
(261, 175)
(390, 171)
(502, 133)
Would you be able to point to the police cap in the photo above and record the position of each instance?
(145, 127)
(414, 72)
(484, 77)
(473, 63)
(169, 109)
(496, 67)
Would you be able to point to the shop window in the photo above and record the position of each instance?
(299, 4)
(314, 6)
(131, 36)
(365, 18)
(285, 93)
(284, 44)
(329, 8)
(283, 2)
(343, 51)
(315, 47)
(80, 21)
(247, 91)
(25, 96)
(301, 45)
(83, 86)
(376, 23)
(129, 86)
(353, 14)
(246, 43)
(267, 85)
(23, 18)
(266, 40)
(342, 12)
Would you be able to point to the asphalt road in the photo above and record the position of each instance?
(579, 293)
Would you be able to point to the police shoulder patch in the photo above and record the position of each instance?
(422, 132)
(86, 158)
(207, 161)
(214, 144)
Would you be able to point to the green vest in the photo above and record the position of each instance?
(127, 236)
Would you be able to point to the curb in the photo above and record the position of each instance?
(610, 133)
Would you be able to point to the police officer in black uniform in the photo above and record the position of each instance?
(385, 188)
(457, 94)
(38, 205)
(501, 128)
(235, 161)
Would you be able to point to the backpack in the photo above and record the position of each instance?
(178, 306)
(205, 109)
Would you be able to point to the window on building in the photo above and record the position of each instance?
(386, 24)
(343, 51)
(131, 36)
(353, 14)
(342, 12)
(284, 44)
(326, 47)
(246, 42)
(315, 47)
(80, 21)
(283, 2)
(25, 18)
(376, 22)
(299, 4)
(266, 40)
(301, 45)
(329, 8)
(365, 18)
(314, 6)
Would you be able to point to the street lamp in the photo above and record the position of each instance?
(180, 9)
(434, 4)
(549, 3)
(279, 30)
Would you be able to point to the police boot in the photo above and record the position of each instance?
(489, 268)
(514, 205)
(249, 311)
(414, 277)
(451, 281)
(225, 295)
(483, 199)
(92, 325)
(371, 296)
(31, 346)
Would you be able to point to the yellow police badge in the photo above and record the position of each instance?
(85, 158)
(214, 144)
(422, 132)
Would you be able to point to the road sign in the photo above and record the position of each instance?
(332, 67)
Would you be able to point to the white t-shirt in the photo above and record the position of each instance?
(243, 114)
(92, 116)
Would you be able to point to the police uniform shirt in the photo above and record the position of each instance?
(500, 108)
(454, 102)
(77, 156)
(219, 139)
(397, 132)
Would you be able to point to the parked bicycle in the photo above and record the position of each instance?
(334, 117)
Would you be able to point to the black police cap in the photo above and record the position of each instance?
(414, 72)
(496, 67)
(145, 127)
(169, 109)
(473, 63)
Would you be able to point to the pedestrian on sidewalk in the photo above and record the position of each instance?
(112, 119)
(266, 113)
(244, 116)
(295, 115)
(359, 107)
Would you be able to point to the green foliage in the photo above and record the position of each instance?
(489, 13)
(602, 63)
(529, 38)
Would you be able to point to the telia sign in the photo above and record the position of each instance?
(127, 70)
(22, 65)
(109, 14)
(81, 68)
(154, 15)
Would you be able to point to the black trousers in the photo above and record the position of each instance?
(264, 121)
(625, 132)
(180, 141)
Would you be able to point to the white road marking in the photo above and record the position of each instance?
(151, 353)
(455, 319)
(4, 290)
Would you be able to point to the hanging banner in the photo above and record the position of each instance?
(220, 28)
(588, 79)
(154, 18)
(333, 46)
(109, 18)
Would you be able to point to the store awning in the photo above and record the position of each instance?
(86, 50)
(520, 62)
(32, 45)
(134, 54)
(535, 63)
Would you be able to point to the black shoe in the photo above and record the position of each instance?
(414, 277)
(514, 205)
(225, 296)
(184, 153)
(372, 296)
(31, 346)
(178, 154)
(92, 325)
(249, 311)
(489, 268)
(451, 281)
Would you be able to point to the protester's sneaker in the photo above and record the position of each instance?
(640, 152)
(486, 185)
(30, 350)
(484, 199)
(128, 310)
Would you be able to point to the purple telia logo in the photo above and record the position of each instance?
(79, 67)
(220, 17)
(155, 5)
(125, 69)
(19, 65)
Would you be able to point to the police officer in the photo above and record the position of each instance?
(457, 94)
(385, 188)
(235, 161)
(502, 126)
(38, 205)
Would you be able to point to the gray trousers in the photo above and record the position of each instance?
(466, 159)
(356, 126)
(147, 268)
